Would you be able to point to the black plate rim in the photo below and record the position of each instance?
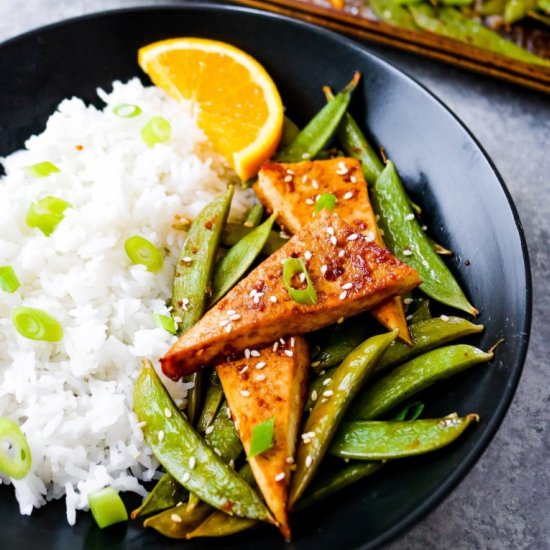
(469, 461)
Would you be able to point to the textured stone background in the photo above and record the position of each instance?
(504, 501)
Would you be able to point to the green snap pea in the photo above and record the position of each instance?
(427, 335)
(409, 243)
(189, 459)
(421, 313)
(212, 401)
(392, 13)
(290, 132)
(343, 339)
(492, 7)
(313, 138)
(336, 479)
(323, 420)
(385, 440)
(413, 376)
(544, 5)
(218, 524)
(223, 437)
(239, 258)
(234, 232)
(192, 278)
(165, 494)
(516, 10)
(178, 521)
(254, 216)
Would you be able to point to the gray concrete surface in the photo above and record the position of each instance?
(504, 502)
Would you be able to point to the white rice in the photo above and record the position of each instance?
(73, 399)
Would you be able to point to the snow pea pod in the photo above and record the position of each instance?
(193, 274)
(427, 335)
(325, 416)
(165, 494)
(234, 232)
(517, 9)
(178, 521)
(421, 313)
(392, 13)
(290, 131)
(413, 376)
(254, 216)
(212, 402)
(409, 243)
(239, 258)
(218, 524)
(317, 133)
(385, 440)
(187, 457)
(335, 480)
(343, 339)
(223, 437)
(491, 7)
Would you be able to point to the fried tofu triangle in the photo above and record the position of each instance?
(350, 275)
(292, 190)
(257, 389)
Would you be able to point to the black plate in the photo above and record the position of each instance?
(465, 204)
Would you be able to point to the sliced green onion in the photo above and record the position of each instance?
(165, 322)
(42, 169)
(46, 214)
(262, 437)
(326, 201)
(107, 507)
(411, 411)
(8, 279)
(36, 324)
(292, 267)
(157, 130)
(141, 251)
(15, 454)
(126, 110)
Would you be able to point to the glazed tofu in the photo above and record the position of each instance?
(270, 384)
(349, 273)
(292, 190)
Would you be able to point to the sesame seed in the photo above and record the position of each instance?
(217, 451)
(260, 365)
(142, 424)
(292, 341)
(308, 255)
(288, 178)
(309, 461)
(247, 353)
(245, 393)
(328, 393)
(324, 268)
(306, 155)
(167, 412)
(444, 317)
(304, 178)
(192, 462)
(309, 202)
(289, 171)
(228, 328)
(407, 252)
(228, 412)
(315, 184)
(330, 230)
(314, 395)
(260, 377)
(232, 464)
(407, 301)
(273, 299)
(424, 228)
(340, 320)
(224, 322)
(254, 353)
(343, 295)
(315, 363)
(322, 372)
(235, 317)
(302, 277)
(408, 317)
(341, 253)
(175, 518)
(347, 286)
(187, 259)
(184, 301)
(352, 237)
(289, 460)
(275, 346)
(370, 236)
(333, 241)
(161, 435)
(327, 381)
(348, 195)
(244, 369)
(353, 179)
(289, 353)
(280, 476)
(282, 341)
(209, 430)
(308, 435)
(409, 217)
(284, 235)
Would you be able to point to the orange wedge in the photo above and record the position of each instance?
(239, 107)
